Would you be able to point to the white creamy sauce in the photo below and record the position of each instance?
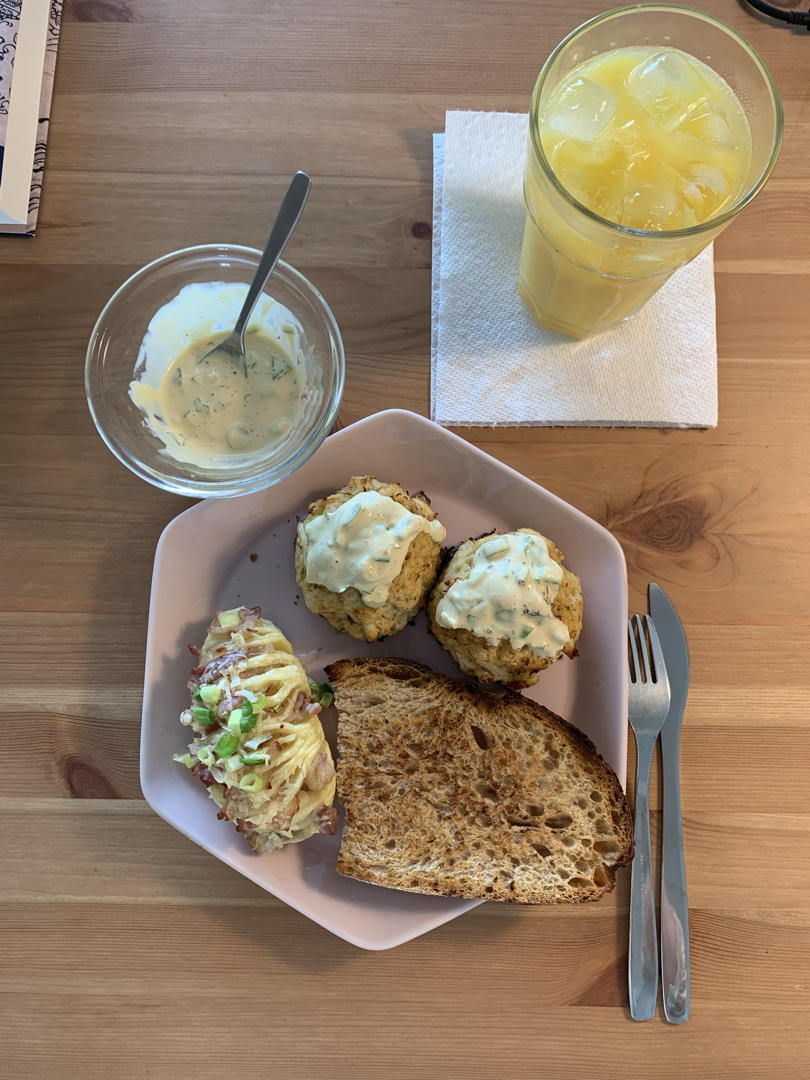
(205, 411)
(508, 596)
(362, 544)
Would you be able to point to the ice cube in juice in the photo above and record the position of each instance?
(648, 138)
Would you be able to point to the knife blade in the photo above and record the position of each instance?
(675, 976)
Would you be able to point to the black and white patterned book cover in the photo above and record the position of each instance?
(10, 45)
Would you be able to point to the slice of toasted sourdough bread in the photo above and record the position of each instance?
(452, 790)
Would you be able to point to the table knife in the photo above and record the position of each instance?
(674, 904)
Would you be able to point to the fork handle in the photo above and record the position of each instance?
(287, 218)
(643, 949)
(674, 903)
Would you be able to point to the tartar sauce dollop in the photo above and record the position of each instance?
(362, 544)
(508, 596)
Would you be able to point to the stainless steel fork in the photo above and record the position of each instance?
(648, 704)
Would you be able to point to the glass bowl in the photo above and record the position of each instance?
(112, 359)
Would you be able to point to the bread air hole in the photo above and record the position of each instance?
(480, 737)
(600, 878)
(558, 821)
(580, 883)
(581, 804)
(569, 841)
(542, 850)
(596, 796)
(487, 791)
(606, 847)
(602, 826)
(549, 764)
(390, 844)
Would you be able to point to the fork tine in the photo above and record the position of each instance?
(635, 670)
(657, 651)
(645, 657)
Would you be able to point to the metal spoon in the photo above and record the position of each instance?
(286, 220)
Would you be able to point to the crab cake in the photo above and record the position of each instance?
(505, 607)
(367, 556)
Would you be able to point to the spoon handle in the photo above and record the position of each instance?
(286, 220)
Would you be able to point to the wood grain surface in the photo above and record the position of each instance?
(129, 952)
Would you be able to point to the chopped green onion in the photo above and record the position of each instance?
(203, 716)
(210, 694)
(254, 759)
(226, 744)
(322, 693)
(251, 782)
(247, 720)
(259, 702)
(256, 742)
(177, 377)
(184, 759)
(197, 695)
(205, 754)
(235, 721)
(524, 633)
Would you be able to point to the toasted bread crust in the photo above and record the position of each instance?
(451, 790)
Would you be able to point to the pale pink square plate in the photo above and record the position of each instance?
(203, 563)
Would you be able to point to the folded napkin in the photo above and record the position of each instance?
(490, 361)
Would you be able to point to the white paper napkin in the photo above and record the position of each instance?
(490, 361)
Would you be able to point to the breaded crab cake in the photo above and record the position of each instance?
(505, 607)
(367, 556)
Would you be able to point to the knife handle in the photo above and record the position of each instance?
(643, 948)
(675, 978)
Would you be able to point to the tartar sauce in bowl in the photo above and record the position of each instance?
(199, 427)
(206, 411)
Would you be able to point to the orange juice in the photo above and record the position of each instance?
(647, 138)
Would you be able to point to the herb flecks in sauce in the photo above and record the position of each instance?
(203, 408)
(508, 595)
(362, 544)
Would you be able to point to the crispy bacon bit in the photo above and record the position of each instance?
(194, 678)
(242, 825)
(319, 773)
(193, 650)
(202, 772)
(217, 667)
(313, 708)
(326, 818)
(284, 817)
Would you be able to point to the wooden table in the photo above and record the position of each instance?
(131, 953)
